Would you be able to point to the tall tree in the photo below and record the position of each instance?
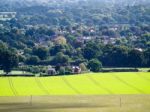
(41, 52)
(60, 59)
(135, 58)
(8, 61)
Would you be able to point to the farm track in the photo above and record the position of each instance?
(99, 85)
(40, 85)
(70, 86)
(135, 88)
(12, 87)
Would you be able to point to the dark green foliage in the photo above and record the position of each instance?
(91, 50)
(41, 52)
(60, 59)
(33, 60)
(135, 58)
(147, 57)
(94, 65)
(8, 61)
(62, 71)
(56, 49)
(115, 56)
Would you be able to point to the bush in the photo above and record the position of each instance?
(33, 69)
(83, 67)
(62, 71)
(95, 65)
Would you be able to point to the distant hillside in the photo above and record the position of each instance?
(13, 4)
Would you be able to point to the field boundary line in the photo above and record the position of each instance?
(126, 83)
(70, 86)
(12, 86)
(40, 85)
(99, 85)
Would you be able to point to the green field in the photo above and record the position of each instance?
(87, 84)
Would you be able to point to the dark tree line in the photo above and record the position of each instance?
(8, 60)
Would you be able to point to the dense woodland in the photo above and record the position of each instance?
(89, 34)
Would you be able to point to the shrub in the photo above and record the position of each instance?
(95, 65)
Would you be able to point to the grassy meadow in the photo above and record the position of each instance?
(84, 84)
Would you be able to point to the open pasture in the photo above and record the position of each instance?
(85, 84)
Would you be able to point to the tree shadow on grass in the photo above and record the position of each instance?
(19, 107)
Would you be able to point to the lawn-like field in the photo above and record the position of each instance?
(87, 84)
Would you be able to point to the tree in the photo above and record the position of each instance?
(135, 58)
(70, 38)
(95, 65)
(147, 57)
(83, 67)
(51, 32)
(91, 50)
(35, 69)
(115, 56)
(62, 71)
(33, 60)
(60, 40)
(8, 61)
(60, 59)
(56, 49)
(41, 52)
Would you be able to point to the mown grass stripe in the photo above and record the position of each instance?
(70, 86)
(12, 87)
(99, 85)
(40, 85)
(135, 88)
(143, 77)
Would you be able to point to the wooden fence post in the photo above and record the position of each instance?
(120, 102)
(31, 100)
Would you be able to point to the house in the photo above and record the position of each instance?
(51, 71)
(4, 16)
(139, 49)
(76, 70)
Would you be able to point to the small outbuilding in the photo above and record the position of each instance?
(51, 71)
(76, 70)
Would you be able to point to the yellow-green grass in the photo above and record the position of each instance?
(84, 84)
